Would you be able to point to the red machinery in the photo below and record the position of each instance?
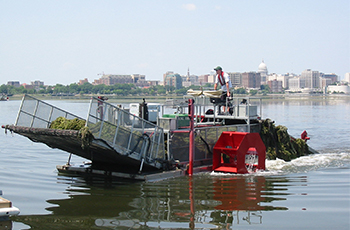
(304, 136)
(233, 149)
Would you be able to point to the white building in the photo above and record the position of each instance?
(312, 78)
(347, 77)
(338, 89)
(211, 78)
(186, 83)
(296, 84)
(279, 77)
(263, 72)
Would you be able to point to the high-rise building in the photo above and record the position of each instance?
(203, 79)
(109, 79)
(173, 80)
(138, 77)
(37, 83)
(333, 77)
(324, 82)
(14, 83)
(251, 80)
(275, 86)
(296, 83)
(312, 78)
(166, 74)
(153, 82)
(236, 78)
(280, 77)
(211, 78)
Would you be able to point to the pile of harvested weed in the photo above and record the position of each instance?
(85, 136)
(74, 124)
(67, 124)
(279, 144)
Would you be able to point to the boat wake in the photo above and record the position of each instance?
(308, 163)
(301, 165)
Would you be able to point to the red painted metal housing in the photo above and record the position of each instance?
(232, 149)
(191, 146)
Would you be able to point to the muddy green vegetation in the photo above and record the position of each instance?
(74, 124)
(279, 144)
(67, 124)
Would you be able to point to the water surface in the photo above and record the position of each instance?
(311, 192)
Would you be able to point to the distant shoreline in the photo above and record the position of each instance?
(113, 98)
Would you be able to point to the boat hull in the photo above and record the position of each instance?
(98, 151)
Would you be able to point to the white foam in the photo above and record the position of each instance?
(299, 165)
(309, 163)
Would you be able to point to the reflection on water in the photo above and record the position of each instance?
(204, 201)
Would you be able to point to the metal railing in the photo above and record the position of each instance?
(126, 133)
(123, 131)
(35, 113)
(241, 107)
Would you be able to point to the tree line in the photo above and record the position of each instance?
(117, 89)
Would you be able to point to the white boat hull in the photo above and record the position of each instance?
(6, 212)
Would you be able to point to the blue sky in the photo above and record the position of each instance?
(62, 41)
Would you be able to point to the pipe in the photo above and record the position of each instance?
(191, 146)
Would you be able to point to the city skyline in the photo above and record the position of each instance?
(100, 76)
(62, 42)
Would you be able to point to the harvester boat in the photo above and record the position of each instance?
(179, 137)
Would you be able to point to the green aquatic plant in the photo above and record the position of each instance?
(84, 134)
(67, 124)
(279, 144)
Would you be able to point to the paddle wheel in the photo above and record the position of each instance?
(239, 152)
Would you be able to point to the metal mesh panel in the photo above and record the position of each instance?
(205, 139)
(107, 132)
(43, 111)
(38, 114)
(57, 113)
(179, 146)
(70, 116)
(124, 131)
(28, 105)
(24, 119)
(136, 142)
(93, 126)
(123, 137)
(157, 150)
(210, 136)
(255, 128)
(39, 123)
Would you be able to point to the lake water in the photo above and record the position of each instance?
(311, 192)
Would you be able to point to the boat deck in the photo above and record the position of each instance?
(87, 171)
